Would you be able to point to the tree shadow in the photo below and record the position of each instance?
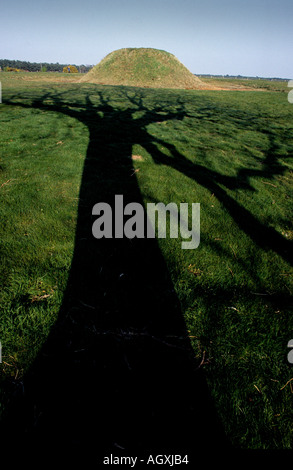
(267, 238)
(117, 373)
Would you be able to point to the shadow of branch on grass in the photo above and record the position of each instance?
(117, 373)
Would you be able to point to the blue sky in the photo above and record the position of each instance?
(251, 37)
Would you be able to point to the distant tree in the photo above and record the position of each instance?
(70, 69)
(36, 67)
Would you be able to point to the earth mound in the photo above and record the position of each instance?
(143, 67)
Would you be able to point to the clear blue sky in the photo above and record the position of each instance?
(245, 37)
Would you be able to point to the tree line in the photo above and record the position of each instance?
(40, 67)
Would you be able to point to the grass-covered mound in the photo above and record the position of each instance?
(143, 67)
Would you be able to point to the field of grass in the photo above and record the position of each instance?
(66, 146)
(268, 85)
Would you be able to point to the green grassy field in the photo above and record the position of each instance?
(268, 85)
(230, 151)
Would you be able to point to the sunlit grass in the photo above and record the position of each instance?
(229, 151)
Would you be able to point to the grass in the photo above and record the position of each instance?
(229, 151)
(232, 153)
(39, 196)
(143, 67)
(24, 80)
(268, 85)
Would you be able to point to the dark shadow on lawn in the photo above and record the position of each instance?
(117, 374)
